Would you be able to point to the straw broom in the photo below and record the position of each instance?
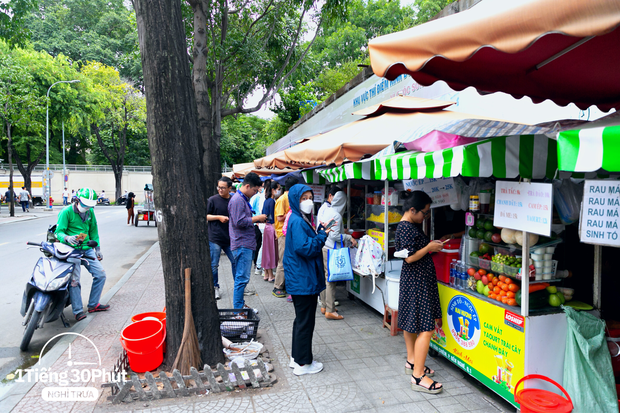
(189, 350)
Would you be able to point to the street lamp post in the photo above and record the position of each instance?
(48, 183)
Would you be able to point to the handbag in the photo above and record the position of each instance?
(339, 264)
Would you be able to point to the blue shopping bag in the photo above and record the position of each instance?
(339, 264)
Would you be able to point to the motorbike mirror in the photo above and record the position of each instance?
(92, 243)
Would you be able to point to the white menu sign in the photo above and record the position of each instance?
(524, 206)
(600, 213)
(319, 193)
(441, 190)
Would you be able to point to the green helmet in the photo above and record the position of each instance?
(87, 197)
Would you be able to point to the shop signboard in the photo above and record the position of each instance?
(441, 190)
(485, 340)
(319, 193)
(524, 206)
(600, 213)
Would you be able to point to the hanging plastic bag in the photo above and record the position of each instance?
(588, 375)
(339, 264)
(567, 198)
(370, 259)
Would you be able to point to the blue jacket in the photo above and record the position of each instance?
(303, 256)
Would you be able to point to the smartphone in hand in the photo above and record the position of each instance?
(330, 224)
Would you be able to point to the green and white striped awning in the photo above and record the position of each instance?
(311, 176)
(355, 170)
(528, 156)
(589, 150)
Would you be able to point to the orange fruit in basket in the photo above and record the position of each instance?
(511, 301)
(495, 281)
(505, 287)
(482, 272)
(510, 294)
(508, 280)
(492, 296)
(513, 287)
(502, 277)
(498, 298)
(496, 290)
(503, 293)
(504, 300)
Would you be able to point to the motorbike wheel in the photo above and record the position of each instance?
(32, 325)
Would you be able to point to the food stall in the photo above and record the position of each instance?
(499, 335)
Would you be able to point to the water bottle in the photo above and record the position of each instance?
(453, 273)
(460, 274)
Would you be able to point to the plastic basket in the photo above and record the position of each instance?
(497, 267)
(511, 271)
(239, 324)
(473, 260)
(484, 264)
(550, 275)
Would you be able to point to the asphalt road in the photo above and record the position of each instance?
(121, 245)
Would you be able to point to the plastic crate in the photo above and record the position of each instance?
(484, 264)
(497, 267)
(473, 260)
(239, 324)
(511, 271)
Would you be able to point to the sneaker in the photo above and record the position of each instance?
(259, 271)
(99, 307)
(313, 368)
(80, 316)
(249, 291)
(292, 364)
(336, 303)
(279, 293)
(217, 293)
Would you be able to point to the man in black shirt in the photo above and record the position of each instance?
(217, 217)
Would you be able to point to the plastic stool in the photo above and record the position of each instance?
(390, 320)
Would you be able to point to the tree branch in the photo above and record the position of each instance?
(247, 34)
(240, 8)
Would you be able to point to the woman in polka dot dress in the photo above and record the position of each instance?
(418, 303)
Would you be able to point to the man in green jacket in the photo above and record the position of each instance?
(77, 222)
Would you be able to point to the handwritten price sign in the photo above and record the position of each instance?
(441, 190)
(524, 206)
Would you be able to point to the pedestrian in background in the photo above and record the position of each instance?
(280, 211)
(418, 302)
(242, 235)
(338, 204)
(65, 197)
(304, 274)
(131, 200)
(219, 237)
(24, 197)
(256, 203)
(269, 257)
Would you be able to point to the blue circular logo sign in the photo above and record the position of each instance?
(464, 322)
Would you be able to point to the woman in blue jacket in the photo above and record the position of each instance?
(304, 275)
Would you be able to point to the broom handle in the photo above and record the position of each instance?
(188, 296)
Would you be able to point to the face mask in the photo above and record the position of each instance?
(306, 206)
(277, 193)
(82, 209)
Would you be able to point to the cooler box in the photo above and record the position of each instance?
(443, 258)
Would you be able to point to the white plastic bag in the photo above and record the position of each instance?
(370, 259)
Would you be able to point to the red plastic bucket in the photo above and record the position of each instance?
(542, 401)
(161, 316)
(144, 341)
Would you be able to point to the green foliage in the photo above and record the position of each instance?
(295, 102)
(427, 9)
(12, 21)
(243, 139)
(332, 79)
(95, 30)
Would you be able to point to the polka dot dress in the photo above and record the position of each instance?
(418, 302)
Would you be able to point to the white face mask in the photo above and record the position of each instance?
(306, 206)
(82, 209)
(277, 193)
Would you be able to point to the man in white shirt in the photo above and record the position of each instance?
(320, 216)
(65, 197)
(24, 198)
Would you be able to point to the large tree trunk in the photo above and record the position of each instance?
(11, 185)
(206, 97)
(118, 178)
(178, 178)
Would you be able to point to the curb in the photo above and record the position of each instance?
(19, 220)
(19, 390)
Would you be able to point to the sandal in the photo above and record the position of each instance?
(427, 371)
(432, 389)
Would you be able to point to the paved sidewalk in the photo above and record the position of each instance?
(363, 363)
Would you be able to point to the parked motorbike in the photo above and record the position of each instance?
(103, 201)
(47, 294)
